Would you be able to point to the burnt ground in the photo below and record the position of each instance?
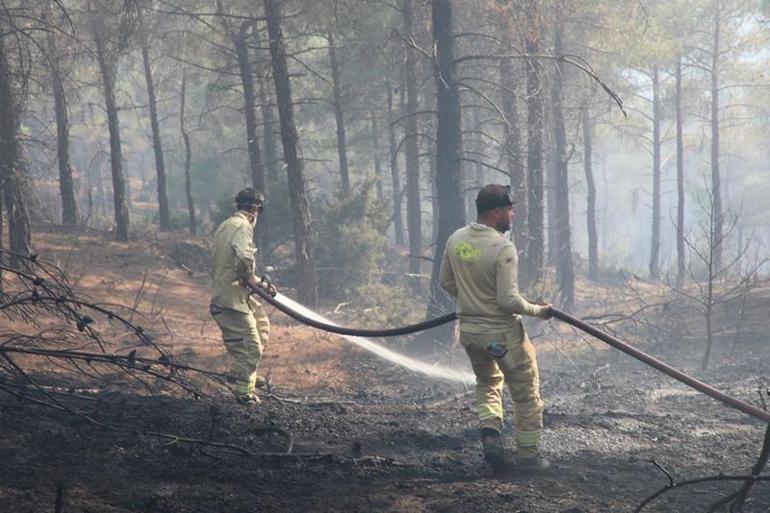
(366, 435)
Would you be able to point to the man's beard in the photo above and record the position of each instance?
(503, 226)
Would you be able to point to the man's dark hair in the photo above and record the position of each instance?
(248, 198)
(493, 196)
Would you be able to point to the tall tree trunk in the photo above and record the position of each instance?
(157, 145)
(412, 152)
(66, 185)
(656, 112)
(448, 131)
(339, 117)
(10, 176)
(550, 166)
(256, 166)
(187, 159)
(533, 263)
(512, 153)
(107, 68)
(306, 272)
(268, 121)
(395, 174)
(588, 167)
(375, 133)
(716, 187)
(680, 251)
(565, 268)
(474, 177)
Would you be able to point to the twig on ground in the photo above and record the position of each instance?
(735, 500)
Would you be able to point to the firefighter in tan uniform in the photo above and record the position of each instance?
(479, 270)
(242, 320)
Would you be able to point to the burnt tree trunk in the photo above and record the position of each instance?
(66, 184)
(395, 174)
(564, 265)
(411, 149)
(339, 117)
(10, 176)
(256, 166)
(157, 145)
(533, 252)
(656, 147)
(588, 168)
(187, 159)
(680, 245)
(448, 131)
(107, 65)
(306, 272)
(512, 154)
(716, 187)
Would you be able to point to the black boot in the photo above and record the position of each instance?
(532, 463)
(494, 451)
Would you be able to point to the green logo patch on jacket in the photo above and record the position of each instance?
(467, 252)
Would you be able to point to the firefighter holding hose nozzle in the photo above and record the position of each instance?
(242, 320)
(479, 270)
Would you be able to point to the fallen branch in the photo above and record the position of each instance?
(735, 500)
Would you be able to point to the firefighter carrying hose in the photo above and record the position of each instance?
(242, 320)
(479, 270)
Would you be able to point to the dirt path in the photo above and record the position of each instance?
(367, 436)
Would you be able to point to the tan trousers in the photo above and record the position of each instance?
(517, 367)
(244, 335)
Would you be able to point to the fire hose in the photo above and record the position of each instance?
(643, 357)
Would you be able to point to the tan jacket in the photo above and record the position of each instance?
(479, 269)
(233, 254)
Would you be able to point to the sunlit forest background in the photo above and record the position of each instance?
(632, 133)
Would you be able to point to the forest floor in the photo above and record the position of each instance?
(367, 435)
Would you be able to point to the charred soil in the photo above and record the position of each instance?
(364, 434)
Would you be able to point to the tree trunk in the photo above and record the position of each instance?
(398, 221)
(593, 243)
(66, 185)
(533, 263)
(10, 177)
(375, 133)
(306, 272)
(656, 143)
(448, 131)
(157, 146)
(412, 152)
(680, 250)
(475, 178)
(339, 117)
(256, 166)
(512, 155)
(107, 69)
(565, 269)
(551, 178)
(268, 121)
(716, 188)
(187, 159)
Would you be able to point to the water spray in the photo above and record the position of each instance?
(310, 318)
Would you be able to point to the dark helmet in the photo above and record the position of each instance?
(248, 198)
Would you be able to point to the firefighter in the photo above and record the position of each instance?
(479, 270)
(242, 320)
